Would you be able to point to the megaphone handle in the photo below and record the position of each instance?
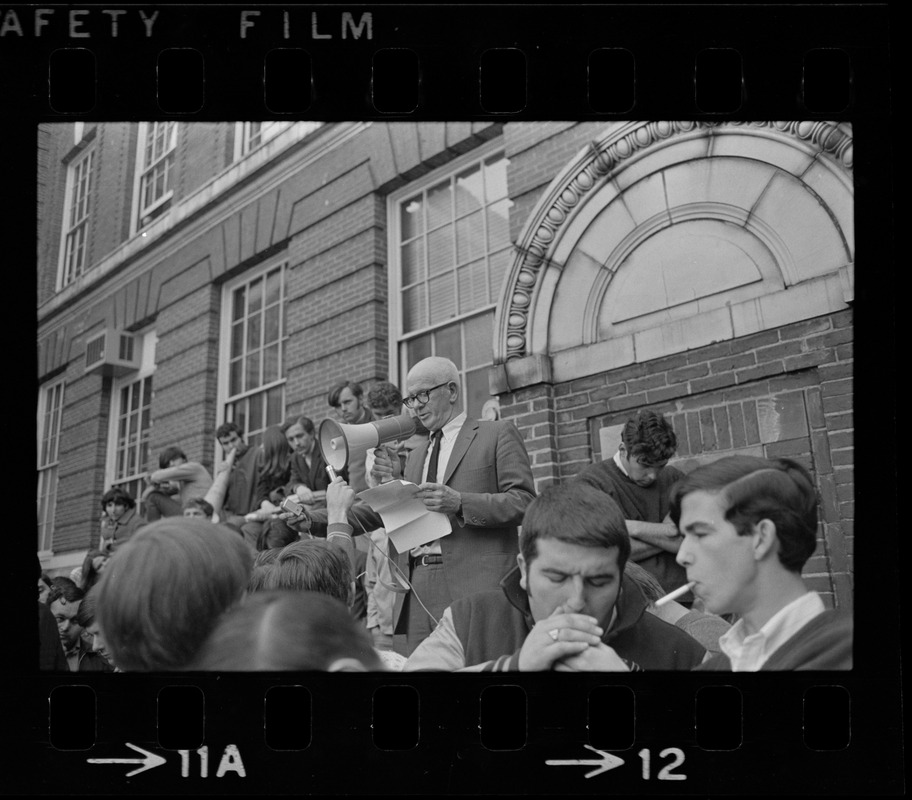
(386, 478)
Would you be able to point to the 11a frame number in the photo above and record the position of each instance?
(666, 773)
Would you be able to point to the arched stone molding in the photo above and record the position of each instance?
(765, 207)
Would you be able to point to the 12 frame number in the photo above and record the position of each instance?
(666, 773)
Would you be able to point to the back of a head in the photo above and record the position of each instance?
(275, 535)
(274, 442)
(88, 608)
(163, 591)
(64, 589)
(383, 394)
(311, 565)
(287, 631)
(576, 513)
(753, 489)
(276, 453)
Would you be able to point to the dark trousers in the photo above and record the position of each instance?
(159, 505)
(429, 583)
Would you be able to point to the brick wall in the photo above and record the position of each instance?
(185, 382)
(201, 151)
(113, 200)
(785, 392)
(83, 443)
(53, 143)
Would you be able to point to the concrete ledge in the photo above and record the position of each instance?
(519, 373)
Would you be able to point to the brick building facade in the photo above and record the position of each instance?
(575, 272)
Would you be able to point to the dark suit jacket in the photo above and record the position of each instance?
(313, 477)
(490, 468)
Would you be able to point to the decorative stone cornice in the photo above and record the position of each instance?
(588, 171)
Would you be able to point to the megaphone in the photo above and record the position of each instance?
(341, 444)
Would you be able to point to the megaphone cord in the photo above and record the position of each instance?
(406, 582)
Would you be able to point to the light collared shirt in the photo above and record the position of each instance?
(750, 653)
(620, 464)
(450, 432)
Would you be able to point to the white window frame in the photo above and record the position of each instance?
(146, 370)
(246, 141)
(77, 207)
(50, 416)
(226, 361)
(397, 339)
(140, 210)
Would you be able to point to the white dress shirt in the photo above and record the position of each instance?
(450, 432)
(750, 653)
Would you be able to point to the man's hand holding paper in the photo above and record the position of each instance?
(408, 520)
(440, 498)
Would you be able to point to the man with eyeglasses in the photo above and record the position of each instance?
(478, 474)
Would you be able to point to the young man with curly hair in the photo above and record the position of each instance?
(639, 479)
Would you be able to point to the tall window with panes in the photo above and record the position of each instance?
(50, 412)
(254, 383)
(131, 423)
(450, 252)
(157, 145)
(79, 196)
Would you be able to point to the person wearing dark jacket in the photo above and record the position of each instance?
(566, 606)
(50, 649)
(749, 526)
(65, 603)
(240, 492)
(120, 519)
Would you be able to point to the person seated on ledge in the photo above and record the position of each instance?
(749, 526)
(119, 520)
(566, 606)
(190, 478)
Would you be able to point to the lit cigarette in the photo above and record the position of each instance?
(675, 594)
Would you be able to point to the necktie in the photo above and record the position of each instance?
(435, 456)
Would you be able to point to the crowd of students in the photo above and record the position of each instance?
(225, 574)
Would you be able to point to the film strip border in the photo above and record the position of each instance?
(449, 61)
(433, 735)
(444, 735)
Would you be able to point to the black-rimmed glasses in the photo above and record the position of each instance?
(421, 398)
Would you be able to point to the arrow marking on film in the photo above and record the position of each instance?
(606, 762)
(149, 760)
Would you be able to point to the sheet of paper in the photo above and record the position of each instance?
(408, 523)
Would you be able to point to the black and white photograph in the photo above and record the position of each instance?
(562, 371)
(456, 451)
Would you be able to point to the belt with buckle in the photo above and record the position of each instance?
(426, 559)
